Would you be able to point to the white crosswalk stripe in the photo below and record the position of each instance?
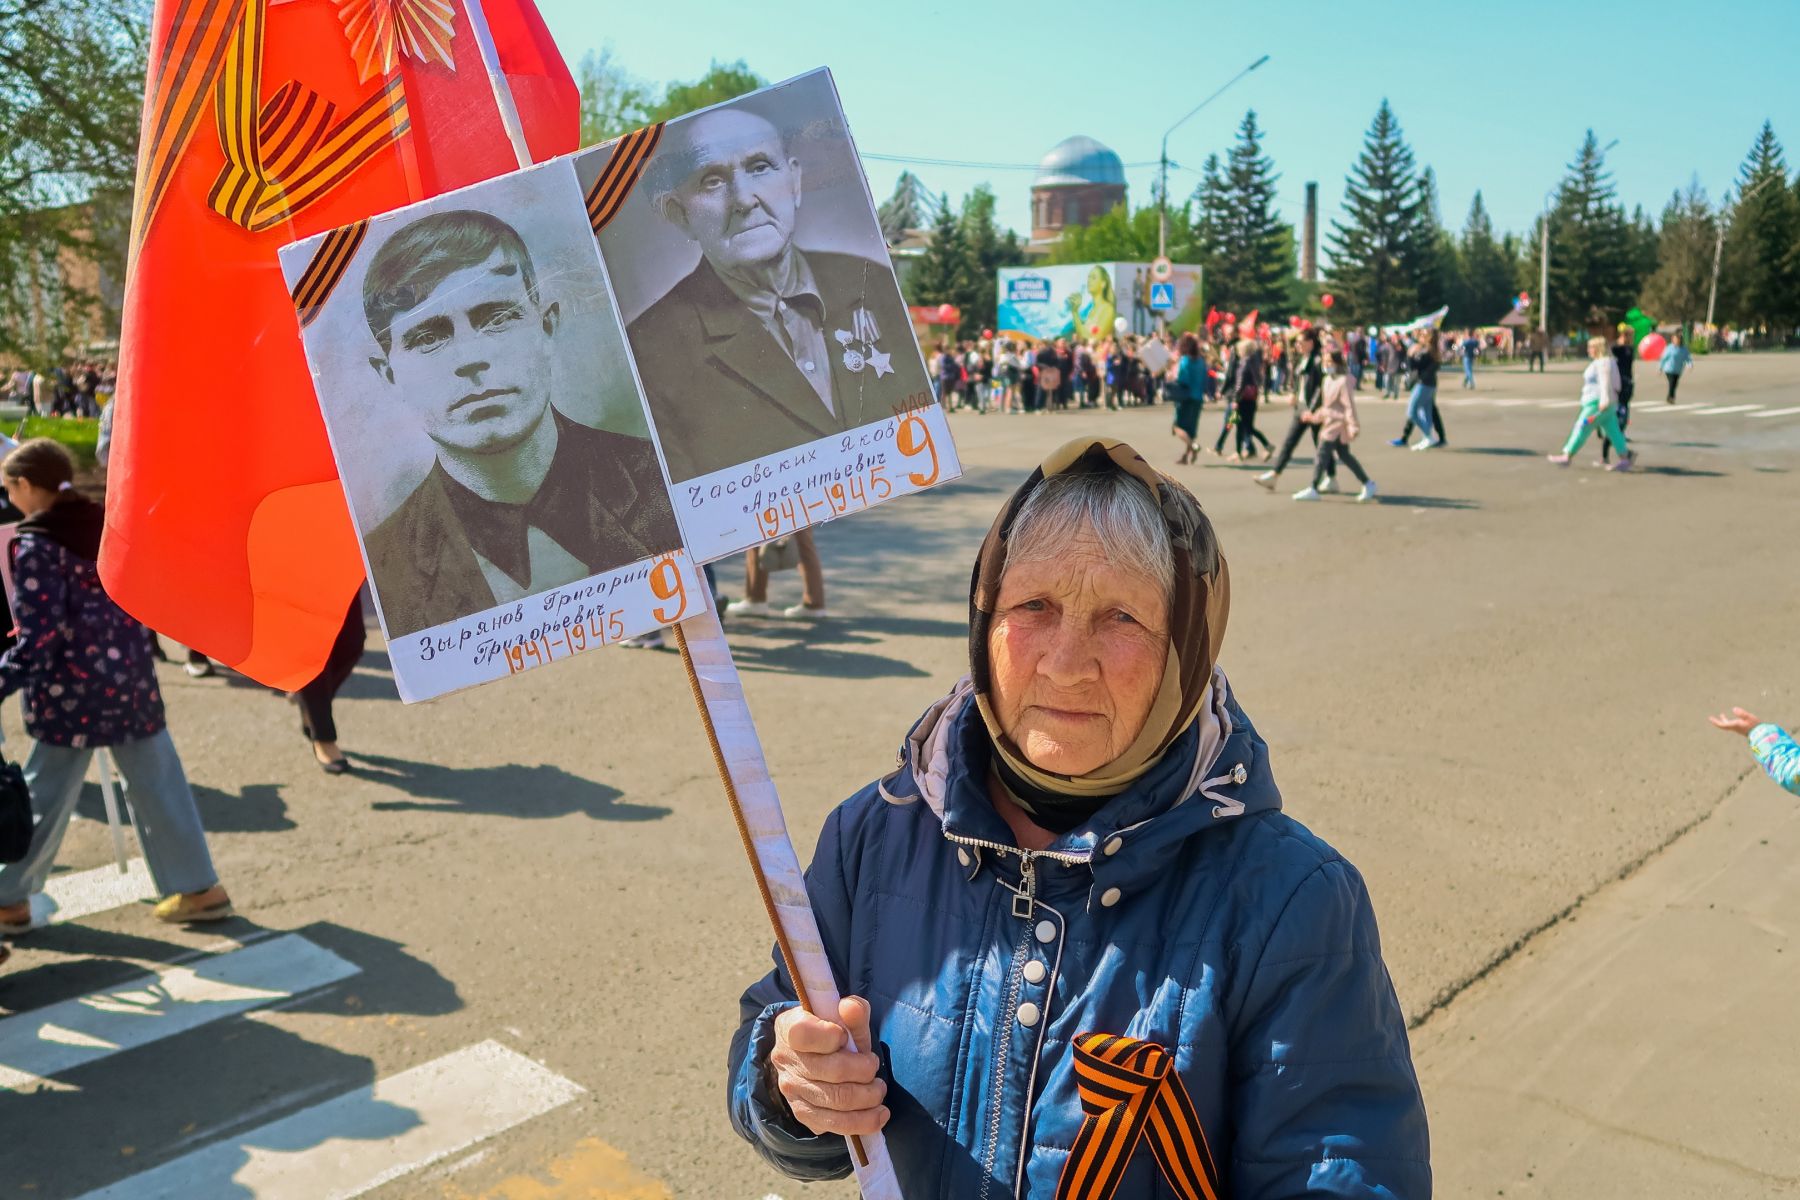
(356, 1142)
(1729, 408)
(79, 894)
(38, 1045)
(1647, 409)
(1560, 404)
(1774, 412)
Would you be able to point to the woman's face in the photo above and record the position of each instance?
(1096, 282)
(1077, 648)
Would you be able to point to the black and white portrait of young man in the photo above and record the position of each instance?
(470, 344)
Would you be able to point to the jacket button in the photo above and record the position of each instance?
(1112, 846)
(962, 856)
(1109, 897)
(1034, 971)
(1046, 931)
(1028, 1014)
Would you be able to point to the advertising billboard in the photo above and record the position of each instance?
(1087, 300)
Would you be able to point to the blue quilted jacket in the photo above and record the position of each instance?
(1189, 912)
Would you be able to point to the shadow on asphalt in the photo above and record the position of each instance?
(255, 808)
(1679, 472)
(217, 1084)
(1426, 501)
(1499, 451)
(512, 790)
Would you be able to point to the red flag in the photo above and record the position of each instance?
(266, 121)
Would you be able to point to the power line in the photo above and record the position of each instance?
(962, 162)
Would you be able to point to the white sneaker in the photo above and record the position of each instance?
(1267, 479)
(1330, 485)
(1367, 493)
(1426, 445)
(747, 608)
(1307, 493)
(800, 611)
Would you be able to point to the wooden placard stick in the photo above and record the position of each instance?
(755, 806)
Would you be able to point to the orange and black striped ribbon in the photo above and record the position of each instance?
(200, 34)
(1130, 1088)
(327, 269)
(292, 151)
(620, 174)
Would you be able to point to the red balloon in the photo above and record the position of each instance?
(1651, 347)
(1327, 299)
(1094, 330)
(987, 335)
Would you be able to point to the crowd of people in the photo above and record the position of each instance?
(74, 389)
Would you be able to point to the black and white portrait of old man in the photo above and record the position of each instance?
(764, 345)
(521, 498)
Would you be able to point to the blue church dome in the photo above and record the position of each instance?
(1079, 160)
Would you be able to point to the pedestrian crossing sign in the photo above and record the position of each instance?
(1162, 296)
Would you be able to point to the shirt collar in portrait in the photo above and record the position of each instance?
(795, 282)
(499, 532)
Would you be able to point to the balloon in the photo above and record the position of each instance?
(1094, 330)
(1120, 324)
(987, 335)
(1651, 348)
(1327, 299)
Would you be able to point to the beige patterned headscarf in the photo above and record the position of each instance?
(1198, 608)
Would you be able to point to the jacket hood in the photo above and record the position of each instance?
(1216, 772)
(73, 522)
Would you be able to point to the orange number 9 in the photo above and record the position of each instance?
(515, 660)
(913, 436)
(667, 583)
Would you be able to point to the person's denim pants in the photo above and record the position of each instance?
(1418, 410)
(1468, 372)
(162, 810)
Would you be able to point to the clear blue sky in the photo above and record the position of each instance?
(1494, 97)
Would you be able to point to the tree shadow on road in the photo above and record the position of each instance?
(512, 790)
(220, 1085)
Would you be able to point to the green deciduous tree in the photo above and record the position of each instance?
(1677, 289)
(71, 90)
(1381, 249)
(1759, 284)
(722, 82)
(1246, 249)
(959, 267)
(613, 102)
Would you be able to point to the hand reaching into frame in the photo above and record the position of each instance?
(1736, 721)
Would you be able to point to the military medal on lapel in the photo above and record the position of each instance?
(859, 343)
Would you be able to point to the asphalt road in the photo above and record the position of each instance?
(523, 924)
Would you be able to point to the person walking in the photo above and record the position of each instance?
(315, 698)
(85, 669)
(756, 582)
(1246, 393)
(1624, 352)
(1470, 347)
(1389, 359)
(1309, 377)
(1336, 420)
(1599, 404)
(1192, 385)
(1675, 360)
(1539, 343)
(1421, 410)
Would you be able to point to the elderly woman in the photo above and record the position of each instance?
(1090, 955)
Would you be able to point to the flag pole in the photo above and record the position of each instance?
(737, 754)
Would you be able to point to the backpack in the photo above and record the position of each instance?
(15, 813)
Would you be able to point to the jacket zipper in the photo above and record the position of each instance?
(1024, 902)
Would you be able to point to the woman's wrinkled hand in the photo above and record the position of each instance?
(828, 1087)
(1736, 721)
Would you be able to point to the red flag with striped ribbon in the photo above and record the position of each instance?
(266, 121)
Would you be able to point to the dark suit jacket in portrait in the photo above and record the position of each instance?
(608, 501)
(722, 390)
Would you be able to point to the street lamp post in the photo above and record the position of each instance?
(1162, 191)
(1712, 295)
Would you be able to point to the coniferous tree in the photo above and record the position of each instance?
(1432, 260)
(1677, 290)
(943, 275)
(1593, 262)
(908, 208)
(1376, 256)
(1484, 289)
(989, 248)
(1243, 245)
(1759, 279)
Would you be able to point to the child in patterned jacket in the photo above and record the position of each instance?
(1773, 746)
